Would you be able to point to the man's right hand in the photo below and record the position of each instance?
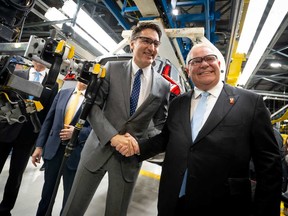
(125, 144)
(36, 156)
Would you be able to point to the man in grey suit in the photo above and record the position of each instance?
(111, 120)
(208, 173)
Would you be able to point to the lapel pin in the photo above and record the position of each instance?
(231, 100)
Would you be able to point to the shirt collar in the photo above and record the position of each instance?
(82, 92)
(42, 73)
(146, 70)
(215, 91)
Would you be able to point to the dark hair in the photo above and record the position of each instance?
(145, 25)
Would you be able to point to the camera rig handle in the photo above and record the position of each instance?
(97, 77)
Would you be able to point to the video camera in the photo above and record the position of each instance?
(49, 52)
(55, 54)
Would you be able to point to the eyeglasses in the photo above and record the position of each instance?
(198, 60)
(148, 41)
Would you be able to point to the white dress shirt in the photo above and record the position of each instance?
(211, 100)
(32, 74)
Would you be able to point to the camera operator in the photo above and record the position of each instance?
(19, 138)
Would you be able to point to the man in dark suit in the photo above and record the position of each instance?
(208, 173)
(53, 137)
(20, 139)
(110, 125)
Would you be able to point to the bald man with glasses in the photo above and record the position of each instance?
(208, 150)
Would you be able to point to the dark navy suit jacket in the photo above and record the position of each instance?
(237, 129)
(49, 135)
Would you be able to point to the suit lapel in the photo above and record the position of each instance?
(184, 109)
(227, 99)
(126, 84)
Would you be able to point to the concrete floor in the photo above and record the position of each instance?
(144, 200)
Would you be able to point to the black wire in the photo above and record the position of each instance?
(20, 7)
(26, 9)
(22, 27)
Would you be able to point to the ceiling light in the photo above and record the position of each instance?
(89, 25)
(275, 17)
(275, 65)
(53, 14)
(254, 14)
(90, 40)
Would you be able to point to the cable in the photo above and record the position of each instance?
(29, 5)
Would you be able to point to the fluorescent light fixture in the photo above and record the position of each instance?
(53, 14)
(253, 16)
(90, 40)
(275, 17)
(89, 25)
(275, 65)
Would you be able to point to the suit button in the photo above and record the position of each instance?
(192, 149)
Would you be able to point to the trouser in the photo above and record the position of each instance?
(86, 183)
(184, 208)
(21, 152)
(52, 170)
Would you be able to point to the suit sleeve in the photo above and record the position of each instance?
(157, 144)
(47, 124)
(161, 115)
(99, 123)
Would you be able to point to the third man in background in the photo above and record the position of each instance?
(55, 133)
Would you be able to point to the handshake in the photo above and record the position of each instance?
(125, 144)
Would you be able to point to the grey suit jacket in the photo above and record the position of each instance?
(237, 129)
(110, 116)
